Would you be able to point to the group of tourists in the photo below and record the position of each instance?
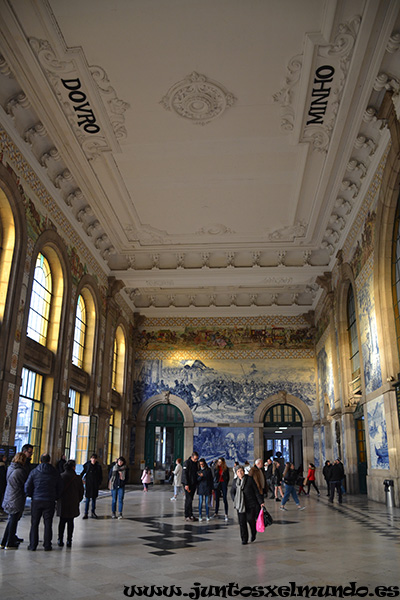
(59, 489)
(273, 479)
(55, 490)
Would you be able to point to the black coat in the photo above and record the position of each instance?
(14, 496)
(252, 497)
(189, 473)
(68, 504)
(204, 482)
(3, 478)
(44, 483)
(337, 472)
(92, 474)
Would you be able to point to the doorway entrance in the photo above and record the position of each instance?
(164, 437)
(283, 434)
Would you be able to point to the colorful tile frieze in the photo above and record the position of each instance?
(228, 338)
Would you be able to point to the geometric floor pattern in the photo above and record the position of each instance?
(355, 545)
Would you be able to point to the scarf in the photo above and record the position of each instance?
(118, 471)
(239, 496)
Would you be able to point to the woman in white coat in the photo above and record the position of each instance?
(177, 478)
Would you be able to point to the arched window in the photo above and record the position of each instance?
(79, 333)
(354, 351)
(118, 365)
(39, 310)
(396, 273)
(110, 449)
(30, 413)
(114, 366)
(282, 415)
(7, 241)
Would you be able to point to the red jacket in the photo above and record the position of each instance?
(311, 475)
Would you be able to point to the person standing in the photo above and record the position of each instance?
(248, 501)
(326, 472)
(335, 482)
(177, 473)
(27, 449)
(189, 481)
(118, 477)
(14, 500)
(60, 464)
(277, 480)
(268, 478)
(146, 478)
(204, 487)
(44, 485)
(92, 475)
(68, 503)
(3, 477)
(290, 478)
(257, 473)
(221, 480)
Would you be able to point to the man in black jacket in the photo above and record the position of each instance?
(189, 481)
(336, 477)
(92, 475)
(44, 485)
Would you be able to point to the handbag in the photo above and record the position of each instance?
(268, 520)
(260, 527)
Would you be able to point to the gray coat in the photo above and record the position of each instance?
(14, 496)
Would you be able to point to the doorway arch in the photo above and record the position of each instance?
(283, 398)
(141, 443)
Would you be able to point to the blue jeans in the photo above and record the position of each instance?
(87, 502)
(119, 492)
(289, 490)
(201, 504)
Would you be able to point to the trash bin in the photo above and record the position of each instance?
(389, 491)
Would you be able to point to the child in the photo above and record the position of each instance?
(146, 478)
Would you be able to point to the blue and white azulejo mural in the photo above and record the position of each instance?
(378, 443)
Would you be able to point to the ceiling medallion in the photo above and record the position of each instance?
(198, 99)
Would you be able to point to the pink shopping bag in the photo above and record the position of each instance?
(260, 527)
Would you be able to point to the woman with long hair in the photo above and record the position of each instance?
(204, 487)
(276, 480)
(221, 480)
(118, 477)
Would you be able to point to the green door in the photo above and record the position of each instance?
(164, 436)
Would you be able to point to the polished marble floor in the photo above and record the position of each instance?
(324, 545)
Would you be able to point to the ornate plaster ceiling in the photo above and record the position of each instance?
(213, 155)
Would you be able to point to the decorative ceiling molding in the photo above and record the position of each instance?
(215, 229)
(290, 233)
(328, 71)
(198, 99)
(72, 81)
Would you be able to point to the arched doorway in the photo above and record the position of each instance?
(164, 436)
(283, 433)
